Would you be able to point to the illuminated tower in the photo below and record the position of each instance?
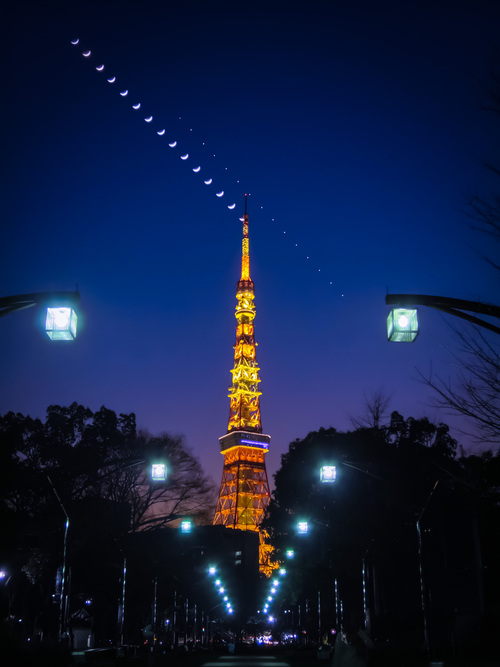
(244, 491)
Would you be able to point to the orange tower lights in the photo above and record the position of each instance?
(244, 491)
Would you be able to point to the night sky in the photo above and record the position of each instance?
(356, 130)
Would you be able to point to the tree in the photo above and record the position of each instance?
(475, 392)
(361, 558)
(94, 469)
(99, 455)
(375, 409)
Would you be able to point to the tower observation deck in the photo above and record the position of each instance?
(244, 491)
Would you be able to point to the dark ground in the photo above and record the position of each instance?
(244, 657)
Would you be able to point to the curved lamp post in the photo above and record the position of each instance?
(402, 321)
(61, 318)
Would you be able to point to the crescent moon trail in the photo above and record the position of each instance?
(162, 132)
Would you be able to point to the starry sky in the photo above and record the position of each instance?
(356, 131)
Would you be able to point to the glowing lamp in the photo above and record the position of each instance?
(60, 323)
(402, 325)
(328, 474)
(290, 554)
(302, 528)
(158, 472)
(186, 526)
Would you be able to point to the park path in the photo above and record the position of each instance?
(254, 660)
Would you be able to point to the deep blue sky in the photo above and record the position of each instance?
(354, 126)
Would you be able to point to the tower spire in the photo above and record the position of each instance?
(244, 491)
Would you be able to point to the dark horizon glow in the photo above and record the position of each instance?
(355, 129)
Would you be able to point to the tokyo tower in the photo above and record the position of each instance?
(244, 491)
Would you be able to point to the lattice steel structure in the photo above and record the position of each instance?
(244, 491)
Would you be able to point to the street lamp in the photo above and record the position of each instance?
(402, 322)
(302, 527)
(402, 325)
(61, 318)
(186, 526)
(158, 472)
(328, 474)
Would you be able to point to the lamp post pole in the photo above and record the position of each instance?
(63, 603)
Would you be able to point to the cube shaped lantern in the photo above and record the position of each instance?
(186, 526)
(60, 323)
(328, 474)
(158, 472)
(402, 325)
(302, 528)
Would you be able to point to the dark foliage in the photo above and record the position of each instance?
(92, 469)
(360, 562)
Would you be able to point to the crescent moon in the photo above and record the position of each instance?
(99, 68)
(219, 194)
(231, 206)
(148, 120)
(196, 169)
(173, 144)
(136, 106)
(86, 54)
(112, 80)
(75, 42)
(208, 182)
(124, 93)
(161, 132)
(185, 157)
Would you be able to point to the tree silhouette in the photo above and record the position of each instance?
(360, 562)
(95, 469)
